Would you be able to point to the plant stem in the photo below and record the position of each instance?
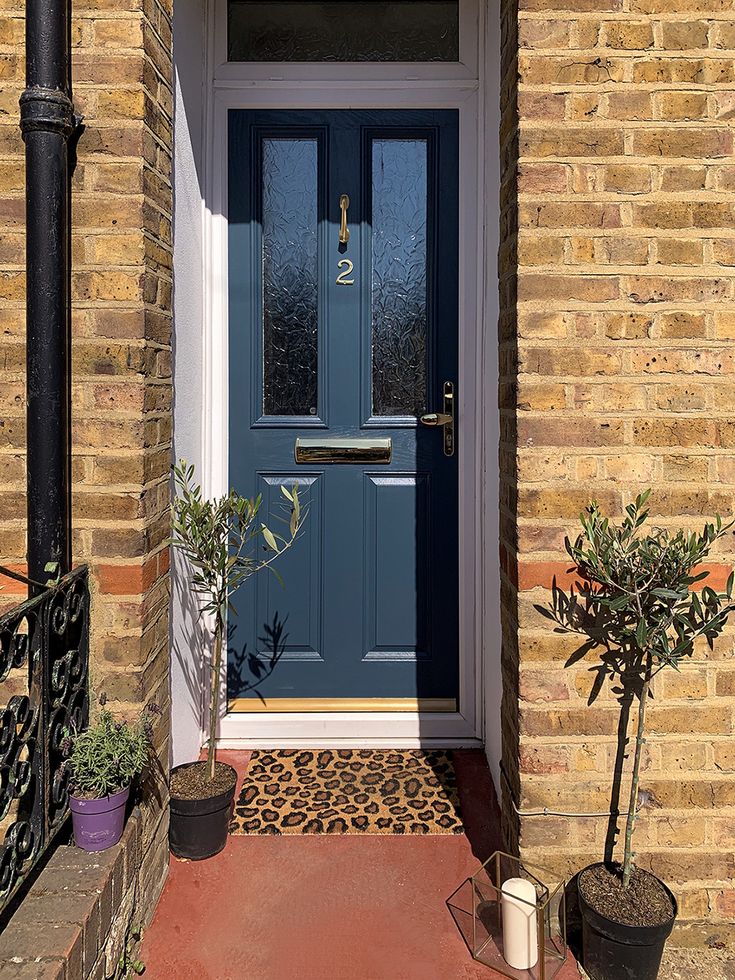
(214, 695)
(633, 803)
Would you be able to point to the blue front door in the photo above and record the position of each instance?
(342, 335)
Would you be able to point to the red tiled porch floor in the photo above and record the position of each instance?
(327, 908)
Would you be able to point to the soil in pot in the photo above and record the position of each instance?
(192, 782)
(623, 930)
(200, 809)
(645, 902)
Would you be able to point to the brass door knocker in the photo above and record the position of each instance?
(344, 231)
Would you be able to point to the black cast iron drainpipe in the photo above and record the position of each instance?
(49, 127)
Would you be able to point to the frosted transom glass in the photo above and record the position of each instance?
(343, 30)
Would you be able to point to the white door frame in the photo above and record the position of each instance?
(306, 86)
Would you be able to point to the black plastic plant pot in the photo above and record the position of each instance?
(613, 951)
(198, 828)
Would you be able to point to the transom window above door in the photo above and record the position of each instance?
(343, 31)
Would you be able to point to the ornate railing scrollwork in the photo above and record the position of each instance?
(44, 662)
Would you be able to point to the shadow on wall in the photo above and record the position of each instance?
(188, 644)
(187, 632)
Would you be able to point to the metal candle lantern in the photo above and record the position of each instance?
(518, 919)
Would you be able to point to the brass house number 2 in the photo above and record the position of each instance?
(344, 236)
(342, 279)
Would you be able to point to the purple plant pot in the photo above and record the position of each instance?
(98, 824)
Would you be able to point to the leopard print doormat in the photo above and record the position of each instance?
(348, 791)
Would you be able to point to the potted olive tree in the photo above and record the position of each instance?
(101, 763)
(640, 610)
(224, 544)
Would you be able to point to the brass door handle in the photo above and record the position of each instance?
(344, 231)
(444, 420)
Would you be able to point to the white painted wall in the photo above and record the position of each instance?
(189, 63)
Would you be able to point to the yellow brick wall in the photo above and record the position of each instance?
(121, 352)
(618, 317)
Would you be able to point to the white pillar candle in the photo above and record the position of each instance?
(520, 943)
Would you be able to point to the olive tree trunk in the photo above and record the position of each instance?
(633, 803)
(214, 695)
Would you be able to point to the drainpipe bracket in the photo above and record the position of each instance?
(48, 110)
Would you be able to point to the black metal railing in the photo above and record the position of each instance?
(44, 662)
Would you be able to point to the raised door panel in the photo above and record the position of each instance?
(397, 567)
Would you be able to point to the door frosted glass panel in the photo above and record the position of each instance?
(399, 302)
(290, 273)
(341, 30)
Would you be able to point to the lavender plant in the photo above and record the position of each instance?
(639, 609)
(109, 754)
